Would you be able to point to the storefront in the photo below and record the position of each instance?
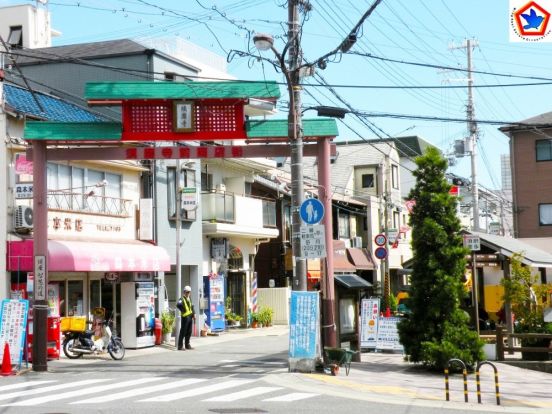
(84, 275)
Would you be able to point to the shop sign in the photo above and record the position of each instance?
(112, 276)
(40, 278)
(23, 191)
(472, 242)
(189, 198)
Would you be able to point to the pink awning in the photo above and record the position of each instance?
(81, 256)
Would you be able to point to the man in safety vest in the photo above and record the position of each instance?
(187, 316)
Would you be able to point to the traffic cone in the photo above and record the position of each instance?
(6, 362)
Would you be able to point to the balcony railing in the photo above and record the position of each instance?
(222, 207)
(84, 203)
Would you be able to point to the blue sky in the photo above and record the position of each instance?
(421, 31)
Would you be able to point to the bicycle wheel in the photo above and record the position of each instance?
(116, 349)
(68, 349)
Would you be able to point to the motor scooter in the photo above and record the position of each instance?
(76, 344)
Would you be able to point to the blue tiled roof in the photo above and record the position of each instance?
(55, 109)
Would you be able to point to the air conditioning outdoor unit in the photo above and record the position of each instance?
(23, 217)
(356, 242)
(221, 187)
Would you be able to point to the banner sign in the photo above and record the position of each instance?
(388, 334)
(369, 316)
(13, 327)
(304, 325)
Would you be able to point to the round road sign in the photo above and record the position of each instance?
(381, 253)
(380, 239)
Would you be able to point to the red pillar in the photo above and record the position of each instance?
(325, 196)
(40, 225)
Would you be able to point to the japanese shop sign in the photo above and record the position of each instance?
(40, 278)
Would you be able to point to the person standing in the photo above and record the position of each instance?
(187, 316)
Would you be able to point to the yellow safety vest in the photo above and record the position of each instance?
(187, 307)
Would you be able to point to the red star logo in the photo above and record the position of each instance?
(520, 23)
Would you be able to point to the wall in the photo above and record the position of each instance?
(35, 23)
(278, 299)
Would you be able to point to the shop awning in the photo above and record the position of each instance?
(360, 258)
(341, 261)
(84, 256)
(352, 281)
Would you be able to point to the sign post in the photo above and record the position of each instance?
(473, 242)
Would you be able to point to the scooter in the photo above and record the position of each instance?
(77, 344)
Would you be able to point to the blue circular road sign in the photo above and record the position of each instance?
(381, 253)
(311, 211)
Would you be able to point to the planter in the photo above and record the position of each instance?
(167, 337)
(490, 352)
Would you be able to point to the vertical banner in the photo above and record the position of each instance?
(369, 317)
(304, 325)
(13, 326)
(388, 334)
(40, 278)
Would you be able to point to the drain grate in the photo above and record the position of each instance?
(237, 410)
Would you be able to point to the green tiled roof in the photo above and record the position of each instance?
(72, 131)
(180, 90)
(279, 128)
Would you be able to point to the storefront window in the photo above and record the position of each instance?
(95, 294)
(75, 304)
(347, 315)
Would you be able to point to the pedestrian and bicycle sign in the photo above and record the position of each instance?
(311, 211)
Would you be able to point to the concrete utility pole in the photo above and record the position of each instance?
(295, 132)
(472, 129)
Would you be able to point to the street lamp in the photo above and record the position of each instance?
(265, 42)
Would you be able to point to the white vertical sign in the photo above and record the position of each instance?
(369, 316)
(40, 278)
(146, 219)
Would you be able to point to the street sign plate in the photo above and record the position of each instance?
(189, 198)
(381, 253)
(311, 211)
(472, 242)
(380, 239)
(313, 241)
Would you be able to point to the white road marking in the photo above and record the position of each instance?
(83, 391)
(48, 389)
(139, 391)
(23, 385)
(199, 391)
(294, 396)
(244, 394)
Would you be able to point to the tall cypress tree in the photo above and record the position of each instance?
(437, 329)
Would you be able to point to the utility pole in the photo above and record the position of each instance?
(472, 132)
(472, 129)
(295, 132)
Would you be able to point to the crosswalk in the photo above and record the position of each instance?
(149, 389)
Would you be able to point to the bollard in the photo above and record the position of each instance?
(497, 391)
(464, 374)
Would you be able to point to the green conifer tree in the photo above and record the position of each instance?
(437, 329)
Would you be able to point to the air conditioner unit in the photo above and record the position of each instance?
(221, 187)
(23, 217)
(356, 242)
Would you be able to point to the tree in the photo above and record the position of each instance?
(437, 328)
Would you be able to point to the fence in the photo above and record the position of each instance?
(502, 337)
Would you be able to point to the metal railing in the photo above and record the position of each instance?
(218, 206)
(84, 203)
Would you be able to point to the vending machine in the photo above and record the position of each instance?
(213, 288)
(137, 314)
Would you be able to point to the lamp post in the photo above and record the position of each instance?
(295, 135)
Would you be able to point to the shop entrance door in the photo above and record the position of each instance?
(235, 288)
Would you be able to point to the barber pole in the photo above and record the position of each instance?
(254, 293)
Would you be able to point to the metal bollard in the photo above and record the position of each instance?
(464, 373)
(497, 391)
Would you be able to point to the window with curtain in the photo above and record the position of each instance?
(343, 225)
(543, 148)
(395, 176)
(545, 214)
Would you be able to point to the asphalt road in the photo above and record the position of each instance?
(235, 374)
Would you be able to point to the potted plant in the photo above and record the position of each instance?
(167, 324)
(525, 295)
(266, 313)
(255, 319)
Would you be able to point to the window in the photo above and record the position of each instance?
(367, 180)
(396, 219)
(187, 179)
(15, 38)
(544, 149)
(545, 214)
(395, 176)
(287, 231)
(343, 225)
(347, 320)
(206, 182)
